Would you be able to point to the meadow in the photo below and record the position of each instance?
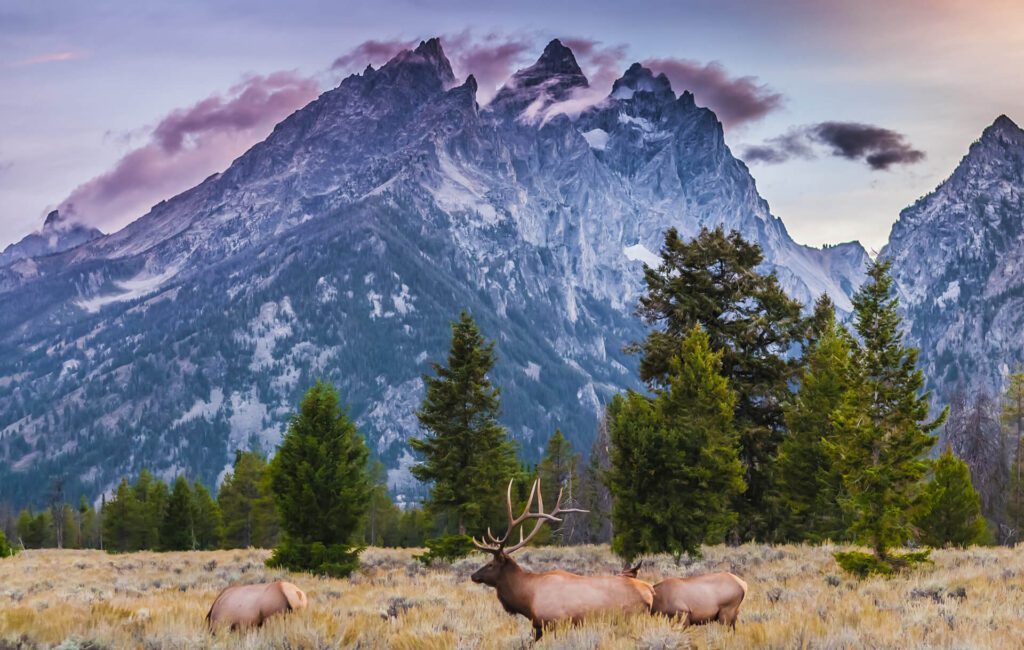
(798, 599)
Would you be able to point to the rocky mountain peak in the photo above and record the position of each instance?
(426, 63)
(52, 219)
(640, 79)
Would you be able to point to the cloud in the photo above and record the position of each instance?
(372, 52)
(187, 146)
(51, 57)
(878, 147)
(735, 100)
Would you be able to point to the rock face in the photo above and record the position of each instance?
(57, 235)
(958, 261)
(343, 245)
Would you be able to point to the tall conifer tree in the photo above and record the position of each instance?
(675, 467)
(883, 430)
(713, 281)
(467, 455)
(321, 486)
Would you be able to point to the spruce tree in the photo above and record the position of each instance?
(950, 506)
(557, 472)
(713, 281)
(246, 503)
(809, 487)
(208, 527)
(882, 427)
(321, 486)
(117, 515)
(467, 456)
(1013, 427)
(675, 466)
(177, 530)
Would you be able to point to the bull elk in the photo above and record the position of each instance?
(701, 599)
(250, 605)
(552, 596)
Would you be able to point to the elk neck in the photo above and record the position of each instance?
(514, 588)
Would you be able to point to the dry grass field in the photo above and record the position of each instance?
(797, 599)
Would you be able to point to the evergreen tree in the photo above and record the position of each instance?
(177, 530)
(951, 507)
(675, 467)
(713, 281)
(88, 524)
(118, 519)
(207, 526)
(147, 512)
(1013, 426)
(467, 456)
(382, 513)
(246, 503)
(974, 435)
(6, 550)
(882, 426)
(810, 489)
(595, 497)
(321, 486)
(557, 472)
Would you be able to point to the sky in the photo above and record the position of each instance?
(846, 112)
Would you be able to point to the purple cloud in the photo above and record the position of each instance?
(188, 145)
(877, 146)
(735, 100)
(372, 52)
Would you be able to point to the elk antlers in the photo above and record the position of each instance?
(494, 544)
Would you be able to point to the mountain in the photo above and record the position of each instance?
(958, 260)
(343, 245)
(58, 234)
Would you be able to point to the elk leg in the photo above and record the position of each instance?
(538, 632)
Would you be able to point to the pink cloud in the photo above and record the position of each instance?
(51, 57)
(372, 52)
(735, 100)
(187, 146)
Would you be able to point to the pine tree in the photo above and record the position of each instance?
(467, 456)
(177, 529)
(321, 486)
(713, 281)
(595, 497)
(382, 512)
(147, 512)
(810, 489)
(974, 434)
(1013, 426)
(557, 472)
(246, 503)
(208, 528)
(951, 507)
(882, 427)
(117, 514)
(680, 443)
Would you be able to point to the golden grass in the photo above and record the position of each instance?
(798, 599)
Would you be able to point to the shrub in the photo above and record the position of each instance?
(864, 565)
(446, 549)
(6, 550)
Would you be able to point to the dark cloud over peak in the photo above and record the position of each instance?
(880, 148)
(735, 100)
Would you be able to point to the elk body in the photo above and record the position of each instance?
(250, 605)
(701, 599)
(552, 596)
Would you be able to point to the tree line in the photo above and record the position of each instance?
(757, 423)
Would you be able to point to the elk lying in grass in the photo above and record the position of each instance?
(552, 596)
(249, 605)
(701, 599)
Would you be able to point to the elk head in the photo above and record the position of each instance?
(490, 573)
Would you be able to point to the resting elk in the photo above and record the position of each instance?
(701, 599)
(250, 605)
(552, 596)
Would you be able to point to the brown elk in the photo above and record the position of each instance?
(701, 599)
(552, 596)
(250, 605)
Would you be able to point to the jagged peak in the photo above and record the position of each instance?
(53, 219)
(429, 54)
(1003, 128)
(558, 59)
(641, 79)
